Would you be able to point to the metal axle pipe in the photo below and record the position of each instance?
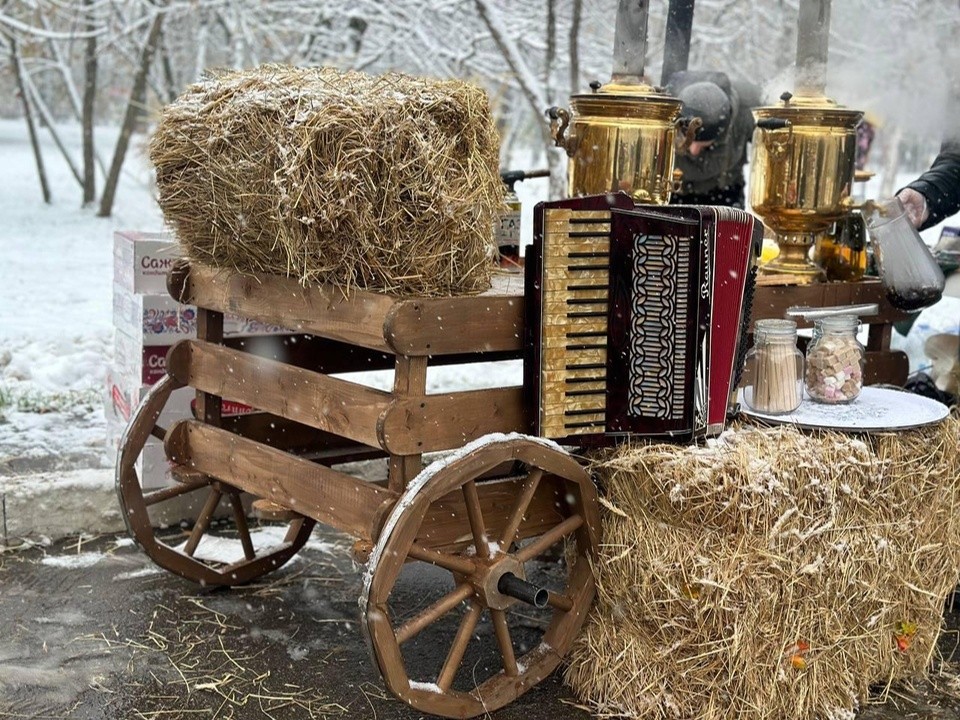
(515, 587)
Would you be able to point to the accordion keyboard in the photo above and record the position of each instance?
(575, 296)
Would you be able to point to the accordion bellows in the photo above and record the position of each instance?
(386, 183)
(637, 317)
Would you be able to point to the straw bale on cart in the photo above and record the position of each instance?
(772, 574)
(387, 183)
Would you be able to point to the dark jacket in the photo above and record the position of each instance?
(940, 185)
(720, 166)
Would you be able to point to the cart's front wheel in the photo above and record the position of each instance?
(490, 545)
(197, 556)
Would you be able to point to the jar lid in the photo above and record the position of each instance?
(776, 325)
(838, 322)
(775, 328)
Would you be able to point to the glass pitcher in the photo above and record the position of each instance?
(911, 277)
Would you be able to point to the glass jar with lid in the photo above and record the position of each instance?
(835, 360)
(774, 369)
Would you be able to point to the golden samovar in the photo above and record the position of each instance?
(621, 136)
(801, 177)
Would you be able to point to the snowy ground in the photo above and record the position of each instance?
(56, 301)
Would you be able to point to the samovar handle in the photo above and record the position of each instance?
(778, 147)
(559, 122)
(774, 124)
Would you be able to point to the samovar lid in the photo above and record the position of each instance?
(810, 110)
(619, 88)
(627, 100)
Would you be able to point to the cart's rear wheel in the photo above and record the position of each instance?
(185, 554)
(486, 569)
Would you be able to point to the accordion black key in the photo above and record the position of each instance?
(637, 317)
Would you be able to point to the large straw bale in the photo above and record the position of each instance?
(771, 574)
(388, 183)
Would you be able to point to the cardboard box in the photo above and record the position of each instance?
(154, 320)
(141, 261)
(139, 364)
(124, 393)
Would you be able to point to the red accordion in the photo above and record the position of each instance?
(637, 317)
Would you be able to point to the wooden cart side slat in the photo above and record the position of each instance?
(326, 495)
(326, 403)
(772, 301)
(444, 422)
(442, 326)
(317, 309)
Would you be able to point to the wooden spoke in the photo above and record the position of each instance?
(459, 647)
(158, 432)
(527, 489)
(294, 529)
(241, 519)
(502, 631)
(549, 538)
(159, 496)
(453, 563)
(475, 515)
(200, 527)
(433, 613)
(560, 602)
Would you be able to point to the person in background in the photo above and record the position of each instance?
(713, 163)
(935, 195)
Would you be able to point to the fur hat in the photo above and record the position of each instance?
(707, 101)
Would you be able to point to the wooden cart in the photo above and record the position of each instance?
(484, 515)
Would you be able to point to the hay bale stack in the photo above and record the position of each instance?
(387, 183)
(771, 575)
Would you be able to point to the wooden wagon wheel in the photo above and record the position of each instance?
(180, 557)
(488, 568)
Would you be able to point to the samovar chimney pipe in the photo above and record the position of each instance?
(630, 42)
(676, 48)
(813, 40)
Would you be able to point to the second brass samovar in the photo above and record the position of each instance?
(804, 152)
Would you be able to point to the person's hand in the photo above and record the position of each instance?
(916, 206)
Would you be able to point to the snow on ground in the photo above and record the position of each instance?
(56, 301)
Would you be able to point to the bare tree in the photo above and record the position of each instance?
(135, 107)
(28, 114)
(88, 116)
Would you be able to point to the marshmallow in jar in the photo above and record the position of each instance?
(834, 368)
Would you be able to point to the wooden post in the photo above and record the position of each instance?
(409, 381)
(209, 328)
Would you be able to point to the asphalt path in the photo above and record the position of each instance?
(91, 630)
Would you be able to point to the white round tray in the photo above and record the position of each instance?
(876, 409)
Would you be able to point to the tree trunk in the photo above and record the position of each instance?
(89, 114)
(132, 114)
(28, 114)
(46, 118)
